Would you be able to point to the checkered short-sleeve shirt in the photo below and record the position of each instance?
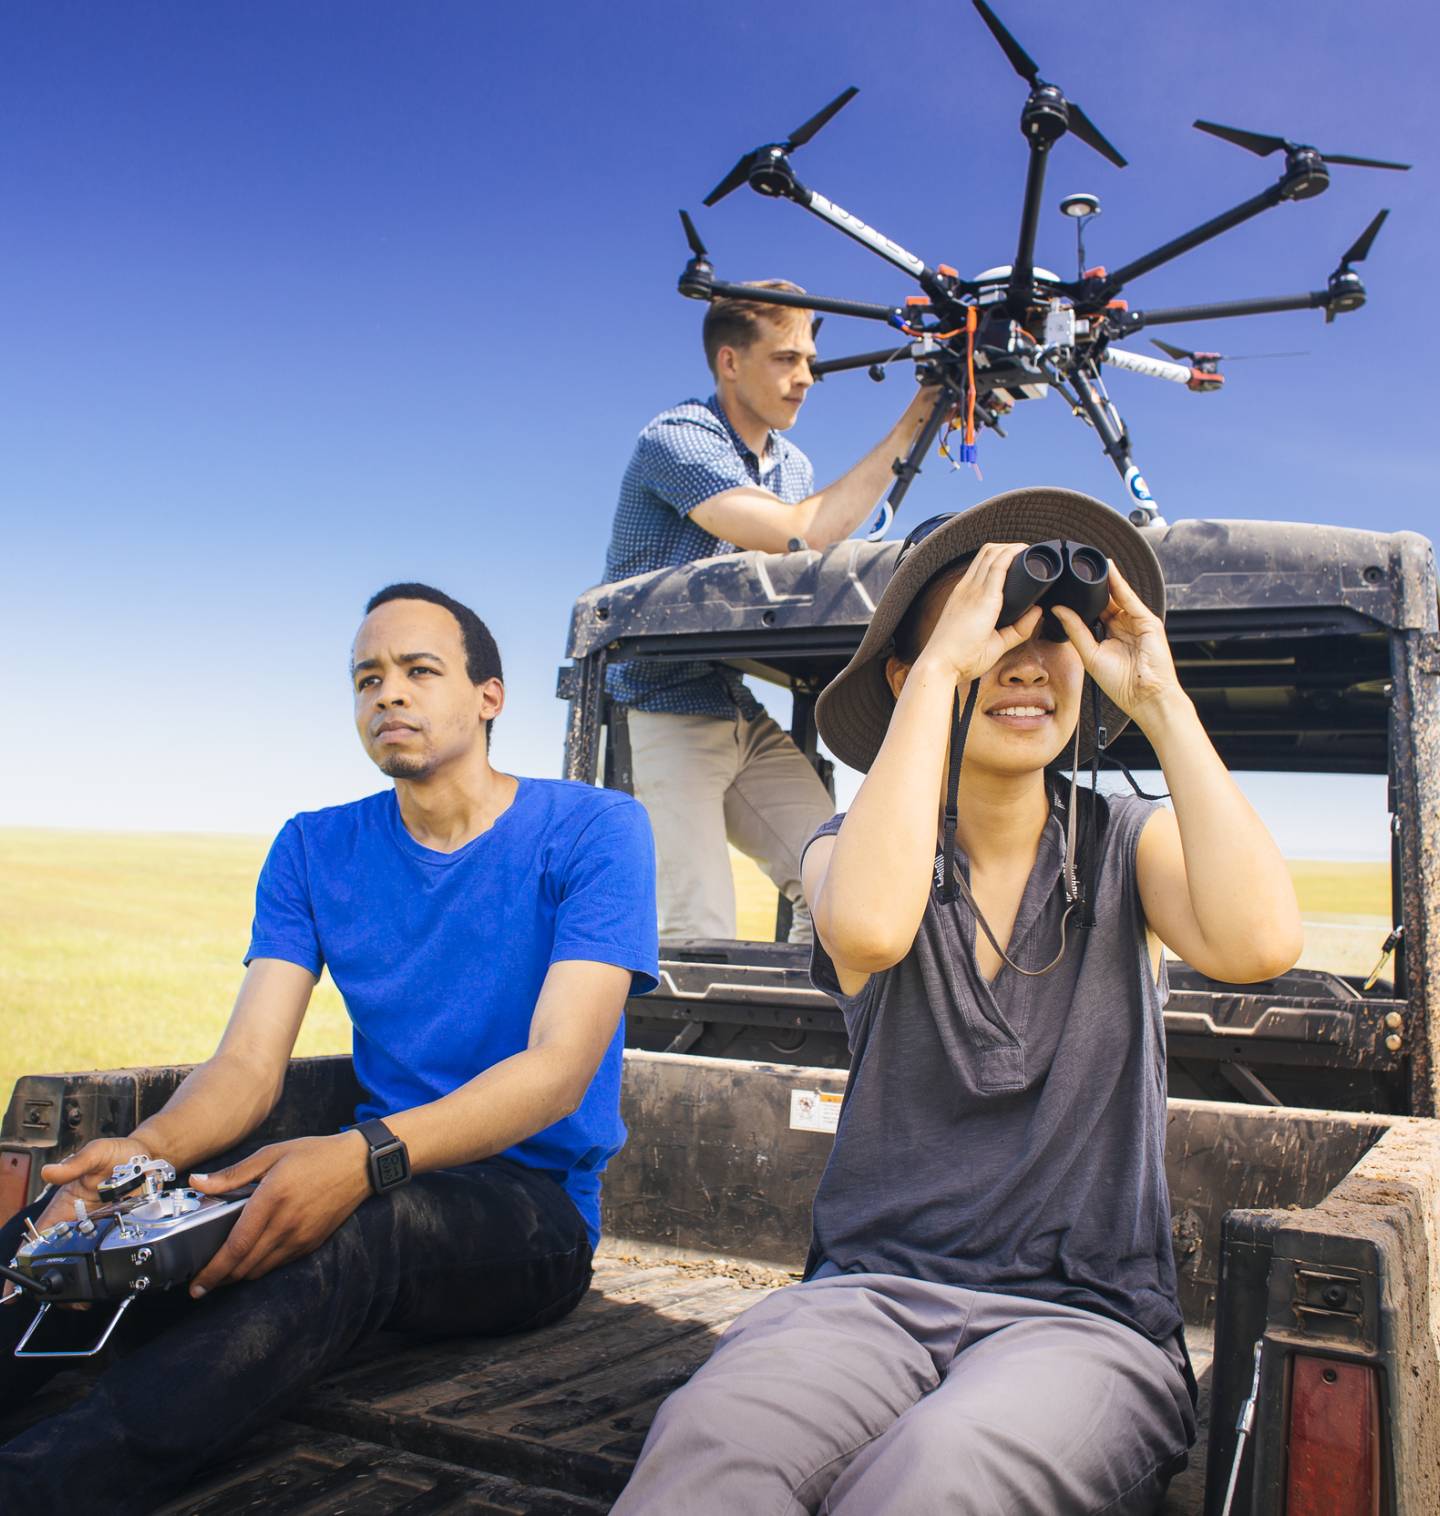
(684, 457)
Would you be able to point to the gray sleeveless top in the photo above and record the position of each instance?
(1010, 1135)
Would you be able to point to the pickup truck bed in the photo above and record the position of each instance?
(546, 1423)
(1316, 1230)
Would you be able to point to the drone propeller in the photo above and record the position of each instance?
(1361, 246)
(798, 138)
(1182, 355)
(1263, 145)
(1024, 65)
(1303, 352)
(697, 247)
(1179, 354)
(1345, 289)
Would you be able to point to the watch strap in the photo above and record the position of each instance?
(388, 1160)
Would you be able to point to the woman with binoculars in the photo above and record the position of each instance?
(989, 1320)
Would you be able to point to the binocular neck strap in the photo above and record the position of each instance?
(959, 729)
(1068, 866)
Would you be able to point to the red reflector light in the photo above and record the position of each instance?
(14, 1183)
(1333, 1447)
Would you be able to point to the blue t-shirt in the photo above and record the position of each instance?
(440, 956)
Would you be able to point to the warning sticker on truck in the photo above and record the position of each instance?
(814, 1110)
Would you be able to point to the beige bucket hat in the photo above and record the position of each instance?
(854, 709)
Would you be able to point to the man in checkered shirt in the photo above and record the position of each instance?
(716, 476)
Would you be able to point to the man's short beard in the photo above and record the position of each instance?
(404, 766)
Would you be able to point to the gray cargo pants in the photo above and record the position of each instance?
(863, 1394)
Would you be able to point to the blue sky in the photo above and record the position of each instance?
(303, 297)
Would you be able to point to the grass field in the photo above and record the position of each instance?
(120, 948)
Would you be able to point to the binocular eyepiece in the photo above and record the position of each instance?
(1057, 573)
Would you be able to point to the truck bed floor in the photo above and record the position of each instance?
(542, 1424)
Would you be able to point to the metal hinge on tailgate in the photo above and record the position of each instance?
(1328, 1302)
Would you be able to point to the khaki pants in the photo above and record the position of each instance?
(706, 780)
(877, 1395)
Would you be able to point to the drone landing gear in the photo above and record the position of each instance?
(1102, 415)
(907, 467)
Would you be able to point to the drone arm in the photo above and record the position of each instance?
(838, 217)
(862, 360)
(1022, 278)
(1132, 321)
(1192, 239)
(1152, 368)
(719, 288)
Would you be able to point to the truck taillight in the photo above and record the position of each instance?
(14, 1183)
(1333, 1447)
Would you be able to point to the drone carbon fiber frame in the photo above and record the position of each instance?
(1011, 356)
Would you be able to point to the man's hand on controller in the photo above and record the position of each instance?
(307, 1188)
(78, 1177)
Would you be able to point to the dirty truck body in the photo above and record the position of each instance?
(1303, 1152)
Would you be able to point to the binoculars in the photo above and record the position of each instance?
(1057, 573)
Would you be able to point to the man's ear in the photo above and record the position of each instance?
(896, 673)
(727, 363)
(492, 699)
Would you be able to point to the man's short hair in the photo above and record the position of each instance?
(732, 322)
(482, 657)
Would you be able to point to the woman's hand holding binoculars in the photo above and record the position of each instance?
(1010, 591)
(1132, 664)
(966, 640)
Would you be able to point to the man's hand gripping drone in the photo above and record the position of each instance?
(1007, 334)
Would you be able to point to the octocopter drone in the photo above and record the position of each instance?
(1013, 332)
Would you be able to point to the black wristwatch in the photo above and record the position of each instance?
(389, 1158)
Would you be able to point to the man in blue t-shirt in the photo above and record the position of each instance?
(484, 932)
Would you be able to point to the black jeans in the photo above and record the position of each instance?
(486, 1249)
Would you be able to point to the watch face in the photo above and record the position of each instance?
(390, 1168)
